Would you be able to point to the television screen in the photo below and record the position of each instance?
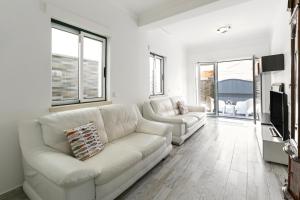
(272, 63)
(279, 113)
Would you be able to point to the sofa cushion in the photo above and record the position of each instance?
(113, 161)
(188, 119)
(144, 143)
(183, 109)
(85, 141)
(119, 120)
(54, 125)
(175, 101)
(163, 107)
(199, 115)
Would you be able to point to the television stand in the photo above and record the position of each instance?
(271, 146)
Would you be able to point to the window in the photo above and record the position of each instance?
(156, 74)
(78, 65)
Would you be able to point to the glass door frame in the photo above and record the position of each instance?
(216, 96)
(257, 71)
(198, 66)
(254, 87)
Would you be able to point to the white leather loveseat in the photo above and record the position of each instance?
(133, 146)
(166, 110)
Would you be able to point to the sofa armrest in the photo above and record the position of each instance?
(62, 169)
(196, 109)
(155, 128)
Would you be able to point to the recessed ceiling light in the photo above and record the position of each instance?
(224, 29)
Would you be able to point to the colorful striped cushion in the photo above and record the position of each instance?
(84, 141)
(183, 109)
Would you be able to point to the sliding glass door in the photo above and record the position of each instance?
(235, 88)
(206, 86)
(227, 88)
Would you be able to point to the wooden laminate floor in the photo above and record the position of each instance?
(221, 161)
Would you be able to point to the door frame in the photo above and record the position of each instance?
(216, 67)
(198, 66)
(257, 69)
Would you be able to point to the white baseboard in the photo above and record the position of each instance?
(12, 192)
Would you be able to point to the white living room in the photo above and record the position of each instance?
(149, 99)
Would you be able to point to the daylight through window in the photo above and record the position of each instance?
(78, 65)
(156, 74)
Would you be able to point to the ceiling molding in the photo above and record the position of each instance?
(180, 10)
(129, 12)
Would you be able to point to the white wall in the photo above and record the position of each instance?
(25, 68)
(280, 44)
(24, 78)
(175, 64)
(234, 49)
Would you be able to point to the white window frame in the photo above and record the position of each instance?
(81, 34)
(162, 74)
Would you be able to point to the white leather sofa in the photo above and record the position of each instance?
(133, 146)
(166, 110)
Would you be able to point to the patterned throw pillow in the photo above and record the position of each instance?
(84, 141)
(182, 108)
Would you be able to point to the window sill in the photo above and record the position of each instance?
(157, 96)
(78, 106)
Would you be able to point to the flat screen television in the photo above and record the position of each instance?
(279, 113)
(272, 63)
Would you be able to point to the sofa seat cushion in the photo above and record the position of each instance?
(188, 119)
(113, 161)
(144, 143)
(199, 115)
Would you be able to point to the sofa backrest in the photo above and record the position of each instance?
(30, 136)
(163, 107)
(54, 125)
(119, 120)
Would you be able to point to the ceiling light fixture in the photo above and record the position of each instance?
(224, 29)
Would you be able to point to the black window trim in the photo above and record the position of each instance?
(162, 76)
(54, 21)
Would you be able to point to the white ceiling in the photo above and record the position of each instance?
(137, 7)
(253, 18)
(248, 18)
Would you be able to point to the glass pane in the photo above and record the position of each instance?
(151, 62)
(92, 68)
(158, 76)
(64, 67)
(206, 94)
(235, 88)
